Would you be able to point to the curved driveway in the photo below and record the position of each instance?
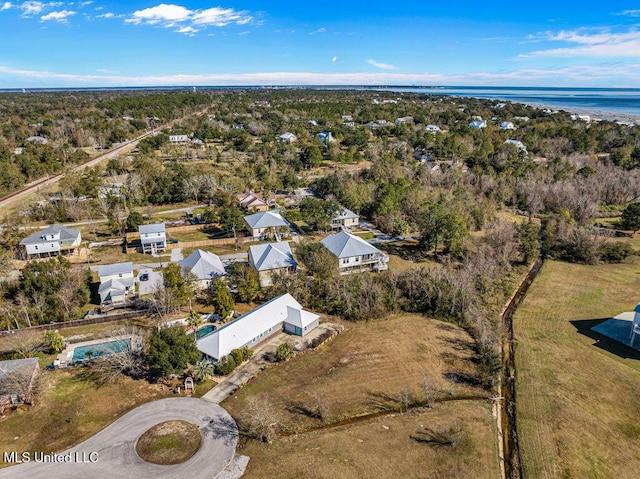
(115, 446)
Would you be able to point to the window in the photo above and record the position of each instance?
(345, 261)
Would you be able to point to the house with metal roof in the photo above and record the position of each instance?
(283, 313)
(478, 124)
(270, 258)
(354, 254)
(51, 241)
(204, 266)
(287, 137)
(326, 137)
(153, 238)
(261, 224)
(116, 282)
(345, 218)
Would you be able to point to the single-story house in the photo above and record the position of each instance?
(355, 254)
(252, 202)
(287, 137)
(178, 139)
(52, 240)
(153, 238)
(269, 258)
(326, 137)
(507, 125)
(37, 139)
(478, 124)
(259, 224)
(346, 118)
(432, 129)
(345, 218)
(204, 265)
(17, 378)
(518, 144)
(404, 119)
(281, 313)
(116, 282)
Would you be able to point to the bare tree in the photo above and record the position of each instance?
(431, 392)
(262, 418)
(24, 343)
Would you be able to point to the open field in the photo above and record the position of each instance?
(367, 369)
(578, 399)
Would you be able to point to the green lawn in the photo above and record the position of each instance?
(578, 393)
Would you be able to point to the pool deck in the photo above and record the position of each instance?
(66, 356)
(618, 328)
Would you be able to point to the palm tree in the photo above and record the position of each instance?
(194, 320)
(203, 369)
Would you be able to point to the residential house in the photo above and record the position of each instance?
(178, 139)
(116, 282)
(345, 218)
(153, 238)
(270, 258)
(404, 119)
(355, 254)
(478, 124)
(252, 202)
(518, 144)
(433, 129)
(326, 137)
(17, 378)
(287, 137)
(281, 313)
(313, 122)
(51, 241)
(507, 125)
(346, 118)
(41, 140)
(203, 266)
(262, 224)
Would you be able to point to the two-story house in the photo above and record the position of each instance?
(270, 258)
(116, 282)
(51, 241)
(345, 218)
(263, 224)
(354, 254)
(153, 238)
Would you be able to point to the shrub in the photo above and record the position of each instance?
(225, 365)
(283, 352)
(615, 252)
(237, 356)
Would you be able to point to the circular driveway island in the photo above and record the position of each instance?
(111, 452)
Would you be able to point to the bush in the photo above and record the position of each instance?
(225, 365)
(238, 357)
(283, 352)
(615, 252)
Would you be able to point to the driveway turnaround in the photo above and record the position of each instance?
(111, 452)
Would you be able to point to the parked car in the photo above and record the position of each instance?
(144, 277)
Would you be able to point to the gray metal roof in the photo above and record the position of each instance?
(202, 264)
(266, 219)
(150, 229)
(345, 213)
(117, 268)
(65, 234)
(345, 245)
(269, 256)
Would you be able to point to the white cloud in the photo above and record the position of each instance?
(106, 15)
(187, 31)
(629, 13)
(319, 30)
(169, 15)
(382, 66)
(60, 16)
(246, 32)
(591, 43)
(6, 6)
(334, 59)
(31, 8)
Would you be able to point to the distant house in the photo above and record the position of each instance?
(287, 137)
(354, 254)
(260, 224)
(523, 119)
(507, 125)
(178, 139)
(153, 238)
(116, 282)
(313, 122)
(51, 241)
(17, 378)
(345, 218)
(270, 258)
(433, 129)
(500, 105)
(372, 125)
(518, 144)
(478, 124)
(326, 137)
(281, 313)
(404, 119)
(346, 118)
(252, 202)
(41, 140)
(204, 266)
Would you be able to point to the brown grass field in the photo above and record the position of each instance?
(578, 393)
(365, 369)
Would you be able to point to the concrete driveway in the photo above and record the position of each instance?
(149, 286)
(114, 446)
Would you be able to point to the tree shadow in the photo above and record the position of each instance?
(462, 378)
(222, 428)
(601, 341)
(303, 410)
(383, 402)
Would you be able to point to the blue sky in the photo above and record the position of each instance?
(237, 42)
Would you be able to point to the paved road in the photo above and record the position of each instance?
(115, 446)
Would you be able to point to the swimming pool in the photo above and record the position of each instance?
(204, 331)
(82, 353)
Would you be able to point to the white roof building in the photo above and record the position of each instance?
(153, 237)
(204, 265)
(116, 282)
(283, 312)
(478, 124)
(178, 139)
(287, 137)
(355, 254)
(345, 218)
(269, 258)
(517, 143)
(507, 125)
(52, 240)
(433, 129)
(258, 223)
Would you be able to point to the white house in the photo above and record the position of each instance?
(37, 139)
(478, 124)
(404, 119)
(153, 238)
(287, 137)
(518, 144)
(258, 224)
(346, 118)
(116, 282)
(178, 139)
(53, 240)
(433, 129)
(203, 265)
(507, 125)
(281, 313)
(345, 218)
(355, 254)
(270, 258)
(326, 137)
